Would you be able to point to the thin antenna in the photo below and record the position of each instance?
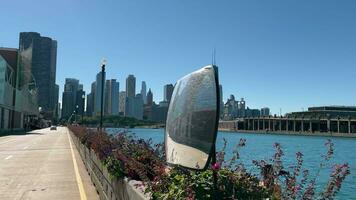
(214, 63)
(212, 57)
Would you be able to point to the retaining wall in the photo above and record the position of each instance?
(108, 187)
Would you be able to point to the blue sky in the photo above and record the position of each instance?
(284, 54)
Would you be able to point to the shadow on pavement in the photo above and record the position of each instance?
(19, 132)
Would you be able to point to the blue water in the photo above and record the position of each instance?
(260, 146)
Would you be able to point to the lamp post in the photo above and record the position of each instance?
(103, 63)
(77, 112)
(83, 102)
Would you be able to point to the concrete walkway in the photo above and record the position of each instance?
(40, 165)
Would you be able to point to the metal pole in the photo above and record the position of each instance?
(102, 96)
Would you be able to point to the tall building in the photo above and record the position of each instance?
(122, 99)
(98, 92)
(149, 97)
(144, 92)
(56, 98)
(167, 92)
(112, 97)
(242, 108)
(265, 112)
(41, 54)
(131, 86)
(90, 105)
(90, 100)
(69, 97)
(134, 107)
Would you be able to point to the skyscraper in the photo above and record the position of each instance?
(41, 53)
(149, 97)
(122, 99)
(134, 107)
(69, 97)
(265, 112)
(90, 100)
(168, 91)
(56, 102)
(112, 97)
(98, 89)
(131, 86)
(144, 92)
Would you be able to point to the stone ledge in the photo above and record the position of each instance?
(108, 187)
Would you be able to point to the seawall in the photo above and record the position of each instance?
(107, 186)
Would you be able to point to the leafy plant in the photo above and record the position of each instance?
(128, 156)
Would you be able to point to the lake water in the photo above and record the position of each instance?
(260, 146)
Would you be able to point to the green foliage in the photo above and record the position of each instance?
(114, 167)
(180, 184)
(117, 121)
(127, 156)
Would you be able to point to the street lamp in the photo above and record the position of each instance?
(77, 112)
(103, 63)
(83, 99)
(75, 116)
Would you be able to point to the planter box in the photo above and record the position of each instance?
(108, 187)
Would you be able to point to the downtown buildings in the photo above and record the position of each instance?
(72, 98)
(38, 55)
(112, 89)
(27, 82)
(233, 109)
(126, 103)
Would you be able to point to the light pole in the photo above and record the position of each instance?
(83, 102)
(76, 112)
(75, 116)
(103, 63)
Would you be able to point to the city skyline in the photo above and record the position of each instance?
(298, 56)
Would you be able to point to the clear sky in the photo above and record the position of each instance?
(287, 54)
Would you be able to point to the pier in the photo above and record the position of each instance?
(292, 125)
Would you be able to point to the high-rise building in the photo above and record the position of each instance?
(134, 107)
(144, 92)
(131, 86)
(265, 112)
(56, 98)
(98, 93)
(90, 100)
(167, 92)
(69, 97)
(242, 108)
(112, 97)
(90, 104)
(149, 97)
(41, 56)
(122, 100)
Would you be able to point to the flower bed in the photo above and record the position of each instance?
(126, 156)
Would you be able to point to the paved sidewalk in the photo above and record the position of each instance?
(40, 165)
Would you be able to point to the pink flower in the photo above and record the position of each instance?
(297, 188)
(216, 166)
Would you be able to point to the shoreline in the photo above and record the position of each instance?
(319, 134)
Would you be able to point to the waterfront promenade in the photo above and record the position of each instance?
(43, 164)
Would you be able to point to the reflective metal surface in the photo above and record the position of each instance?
(192, 119)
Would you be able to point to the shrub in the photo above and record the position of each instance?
(127, 156)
